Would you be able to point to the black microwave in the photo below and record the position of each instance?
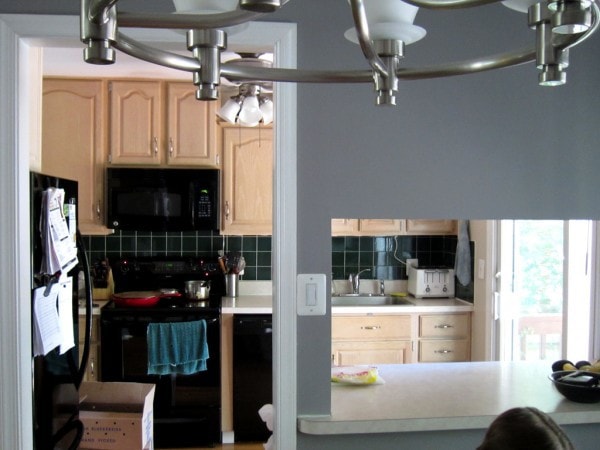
(162, 199)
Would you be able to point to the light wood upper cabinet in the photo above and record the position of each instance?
(431, 226)
(191, 127)
(247, 178)
(136, 118)
(391, 227)
(74, 143)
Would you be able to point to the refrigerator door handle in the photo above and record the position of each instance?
(88, 311)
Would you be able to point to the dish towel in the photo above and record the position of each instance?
(177, 348)
(462, 263)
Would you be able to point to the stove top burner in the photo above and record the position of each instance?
(170, 273)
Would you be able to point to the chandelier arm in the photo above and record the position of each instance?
(98, 10)
(362, 32)
(497, 61)
(234, 72)
(153, 55)
(449, 4)
(186, 21)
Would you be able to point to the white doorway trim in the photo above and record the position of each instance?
(22, 38)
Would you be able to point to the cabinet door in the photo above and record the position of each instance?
(247, 203)
(191, 129)
(444, 326)
(344, 227)
(439, 350)
(74, 143)
(370, 327)
(136, 118)
(381, 226)
(386, 352)
(431, 226)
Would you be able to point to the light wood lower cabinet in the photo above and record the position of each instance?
(444, 337)
(92, 372)
(371, 339)
(400, 339)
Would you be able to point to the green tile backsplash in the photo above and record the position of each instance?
(256, 249)
(351, 254)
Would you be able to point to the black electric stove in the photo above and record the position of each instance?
(187, 408)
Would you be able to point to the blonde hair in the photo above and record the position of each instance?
(525, 429)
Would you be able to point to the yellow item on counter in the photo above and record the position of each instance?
(398, 294)
(355, 375)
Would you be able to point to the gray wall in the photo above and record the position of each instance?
(482, 146)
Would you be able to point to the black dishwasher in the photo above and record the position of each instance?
(252, 374)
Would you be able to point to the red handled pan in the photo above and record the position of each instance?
(143, 299)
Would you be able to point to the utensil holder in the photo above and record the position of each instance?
(231, 285)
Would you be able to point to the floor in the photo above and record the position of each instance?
(240, 446)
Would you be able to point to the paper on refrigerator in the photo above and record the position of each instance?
(53, 318)
(60, 250)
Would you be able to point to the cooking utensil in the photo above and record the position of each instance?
(142, 299)
(197, 289)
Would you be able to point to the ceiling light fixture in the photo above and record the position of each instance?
(382, 28)
(248, 108)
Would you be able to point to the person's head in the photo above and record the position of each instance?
(525, 429)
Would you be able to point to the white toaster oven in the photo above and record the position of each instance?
(430, 282)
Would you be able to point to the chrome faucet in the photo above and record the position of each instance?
(355, 281)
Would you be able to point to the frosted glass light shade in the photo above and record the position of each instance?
(250, 114)
(390, 19)
(229, 111)
(520, 5)
(266, 109)
(215, 6)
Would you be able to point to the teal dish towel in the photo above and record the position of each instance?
(177, 348)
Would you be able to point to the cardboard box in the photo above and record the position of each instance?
(117, 416)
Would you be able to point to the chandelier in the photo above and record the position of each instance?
(382, 28)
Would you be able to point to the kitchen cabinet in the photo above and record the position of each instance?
(444, 337)
(74, 118)
(92, 372)
(430, 226)
(366, 227)
(158, 123)
(391, 227)
(247, 180)
(371, 339)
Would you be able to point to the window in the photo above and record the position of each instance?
(544, 289)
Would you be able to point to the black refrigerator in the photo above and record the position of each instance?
(57, 373)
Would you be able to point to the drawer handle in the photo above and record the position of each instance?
(171, 146)
(155, 145)
(445, 352)
(371, 327)
(444, 326)
(92, 367)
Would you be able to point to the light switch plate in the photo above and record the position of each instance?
(311, 294)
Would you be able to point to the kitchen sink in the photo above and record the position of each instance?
(369, 300)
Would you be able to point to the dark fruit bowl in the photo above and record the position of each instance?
(578, 386)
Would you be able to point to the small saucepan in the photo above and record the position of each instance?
(143, 299)
(197, 290)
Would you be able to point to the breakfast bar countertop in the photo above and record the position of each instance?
(445, 396)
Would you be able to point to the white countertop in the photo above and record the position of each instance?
(263, 304)
(445, 396)
(247, 304)
(420, 305)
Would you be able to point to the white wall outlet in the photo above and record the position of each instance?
(411, 262)
(311, 298)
